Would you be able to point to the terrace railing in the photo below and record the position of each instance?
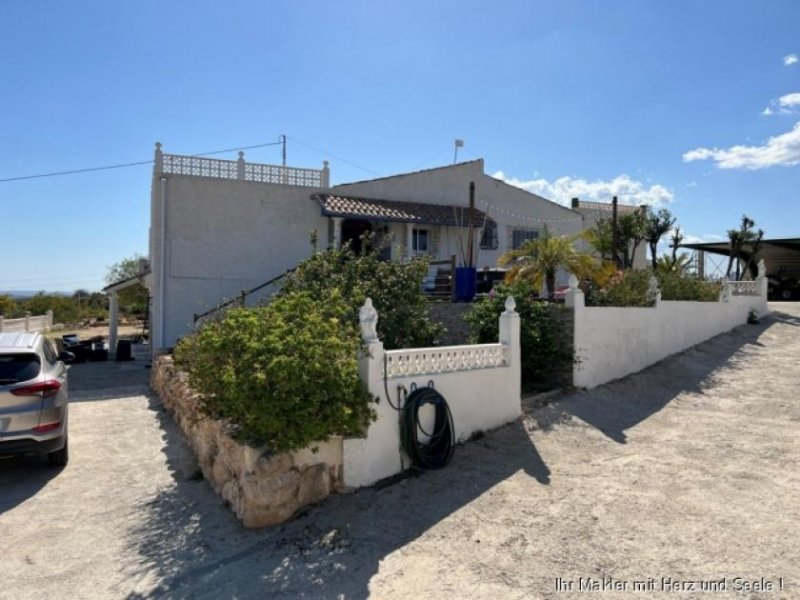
(200, 166)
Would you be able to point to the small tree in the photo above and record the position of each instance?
(658, 224)
(744, 242)
(601, 238)
(632, 228)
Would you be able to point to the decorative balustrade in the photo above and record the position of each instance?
(445, 359)
(174, 164)
(198, 166)
(743, 288)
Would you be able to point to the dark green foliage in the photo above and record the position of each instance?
(630, 288)
(285, 374)
(545, 349)
(395, 288)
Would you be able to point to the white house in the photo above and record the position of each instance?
(222, 226)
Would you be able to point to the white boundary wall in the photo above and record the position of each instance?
(42, 323)
(612, 342)
(481, 384)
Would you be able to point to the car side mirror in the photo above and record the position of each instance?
(66, 357)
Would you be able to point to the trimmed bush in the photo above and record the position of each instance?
(544, 352)
(285, 374)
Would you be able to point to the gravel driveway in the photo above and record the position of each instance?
(687, 471)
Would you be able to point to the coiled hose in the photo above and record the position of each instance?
(438, 450)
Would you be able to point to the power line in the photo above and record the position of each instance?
(339, 158)
(130, 164)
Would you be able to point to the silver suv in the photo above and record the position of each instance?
(33, 397)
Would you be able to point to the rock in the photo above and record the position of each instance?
(315, 485)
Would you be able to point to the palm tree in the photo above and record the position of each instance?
(681, 263)
(538, 261)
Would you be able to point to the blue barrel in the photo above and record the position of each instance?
(465, 283)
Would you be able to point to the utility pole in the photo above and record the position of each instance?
(283, 141)
(614, 233)
(470, 219)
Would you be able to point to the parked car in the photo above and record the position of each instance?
(780, 287)
(33, 397)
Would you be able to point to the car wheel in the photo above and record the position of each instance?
(786, 294)
(59, 458)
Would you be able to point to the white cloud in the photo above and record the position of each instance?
(691, 184)
(781, 149)
(790, 100)
(563, 189)
(790, 59)
(784, 105)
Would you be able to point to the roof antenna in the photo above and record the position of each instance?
(459, 144)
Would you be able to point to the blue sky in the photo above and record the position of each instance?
(655, 101)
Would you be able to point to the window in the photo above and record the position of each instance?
(520, 236)
(18, 367)
(49, 354)
(420, 240)
(489, 236)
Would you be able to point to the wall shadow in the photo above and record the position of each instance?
(620, 405)
(198, 549)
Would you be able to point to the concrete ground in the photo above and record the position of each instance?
(687, 471)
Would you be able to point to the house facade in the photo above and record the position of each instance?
(222, 226)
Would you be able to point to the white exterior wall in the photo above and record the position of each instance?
(509, 206)
(223, 236)
(612, 342)
(480, 398)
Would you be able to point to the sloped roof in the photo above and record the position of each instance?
(334, 205)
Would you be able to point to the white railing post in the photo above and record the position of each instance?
(27, 321)
(326, 174)
(240, 166)
(2, 323)
(574, 297)
(509, 326)
(48, 323)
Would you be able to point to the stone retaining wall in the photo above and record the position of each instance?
(261, 489)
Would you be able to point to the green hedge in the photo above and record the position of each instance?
(285, 374)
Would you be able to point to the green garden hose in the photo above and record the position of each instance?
(438, 450)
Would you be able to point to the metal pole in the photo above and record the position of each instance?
(470, 221)
(614, 233)
(283, 139)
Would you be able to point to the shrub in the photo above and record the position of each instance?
(395, 289)
(631, 289)
(545, 353)
(675, 286)
(285, 374)
(628, 288)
